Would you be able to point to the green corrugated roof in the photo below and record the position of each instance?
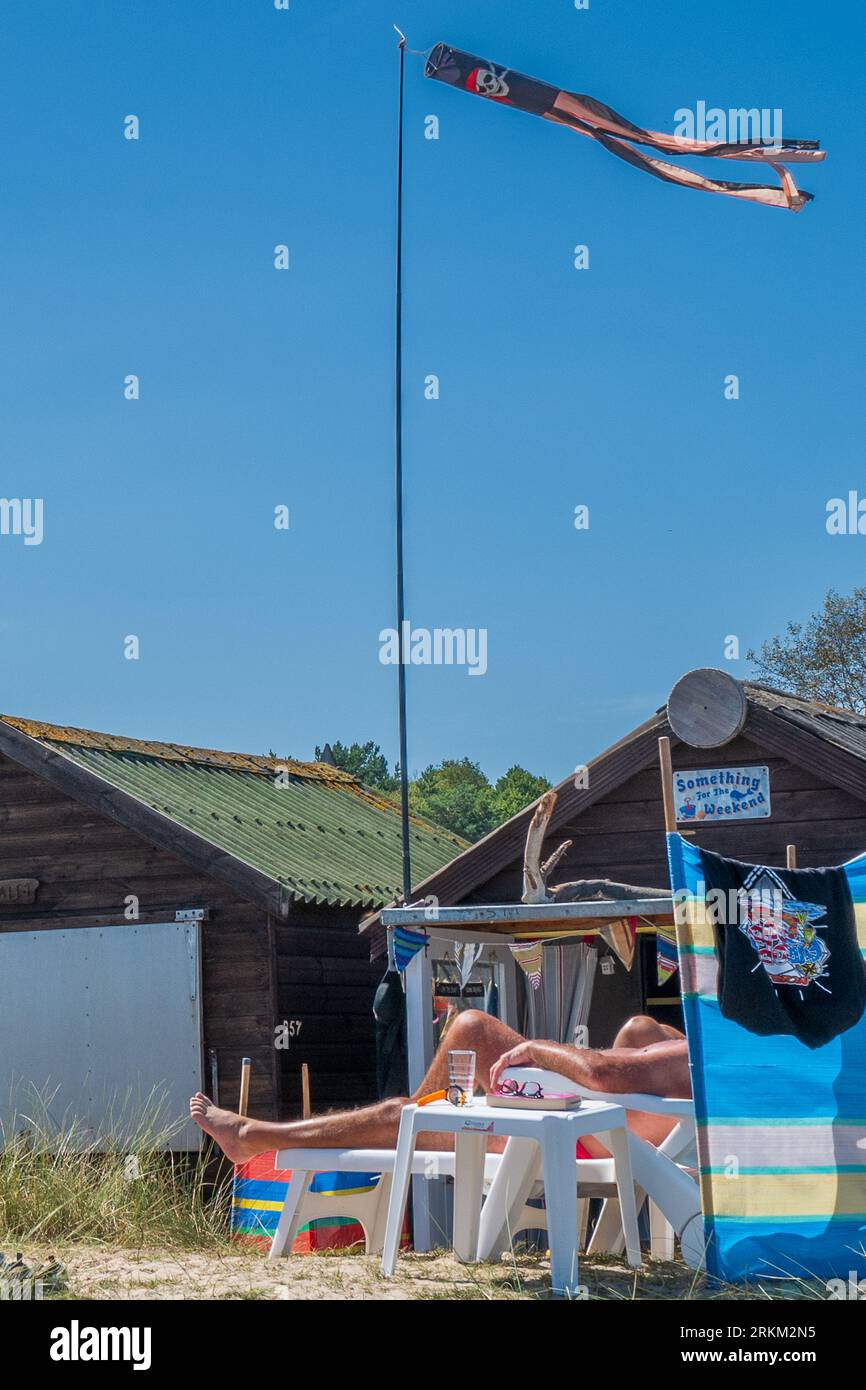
(314, 829)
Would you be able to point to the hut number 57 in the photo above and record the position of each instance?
(286, 1031)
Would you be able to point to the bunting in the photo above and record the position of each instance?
(619, 136)
(530, 959)
(405, 945)
(620, 937)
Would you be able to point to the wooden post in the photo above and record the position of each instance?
(667, 775)
(244, 1100)
(791, 857)
(305, 1091)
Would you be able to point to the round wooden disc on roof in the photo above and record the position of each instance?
(707, 708)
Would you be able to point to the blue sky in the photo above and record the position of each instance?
(558, 387)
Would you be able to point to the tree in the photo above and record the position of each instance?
(366, 761)
(825, 657)
(514, 790)
(456, 795)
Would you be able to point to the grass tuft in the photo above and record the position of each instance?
(60, 1185)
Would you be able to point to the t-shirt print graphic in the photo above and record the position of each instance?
(787, 948)
(784, 931)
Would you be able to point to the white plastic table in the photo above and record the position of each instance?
(557, 1133)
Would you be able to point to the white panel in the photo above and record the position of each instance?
(104, 1022)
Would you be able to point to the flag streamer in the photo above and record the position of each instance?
(530, 959)
(620, 937)
(405, 945)
(597, 121)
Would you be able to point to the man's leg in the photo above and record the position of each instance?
(472, 1031)
(642, 1031)
(371, 1126)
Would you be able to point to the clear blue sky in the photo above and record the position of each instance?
(558, 387)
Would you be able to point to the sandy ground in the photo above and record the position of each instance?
(104, 1273)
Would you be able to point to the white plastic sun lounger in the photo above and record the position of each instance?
(511, 1179)
(661, 1176)
(369, 1209)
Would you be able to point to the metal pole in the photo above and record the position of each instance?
(398, 481)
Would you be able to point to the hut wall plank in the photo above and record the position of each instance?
(326, 983)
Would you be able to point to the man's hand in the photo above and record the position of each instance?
(520, 1056)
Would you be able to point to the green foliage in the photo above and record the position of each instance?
(825, 657)
(454, 794)
(514, 790)
(366, 761)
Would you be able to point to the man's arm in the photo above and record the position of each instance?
(660, 1069)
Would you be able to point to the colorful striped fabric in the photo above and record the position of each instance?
(258, 1193)
(666, 954)
(781, 1126)
(404, 945)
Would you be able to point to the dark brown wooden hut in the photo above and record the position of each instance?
(264, 864)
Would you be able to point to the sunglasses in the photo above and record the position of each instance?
(530, 1090)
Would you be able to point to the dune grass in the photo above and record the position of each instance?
(128, 1190)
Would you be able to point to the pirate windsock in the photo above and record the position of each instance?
(616, 133)
(405, 945)
(530, 958)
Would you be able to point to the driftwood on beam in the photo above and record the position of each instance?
(535, 874)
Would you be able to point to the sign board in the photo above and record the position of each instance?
(18, 892)
(716, 794)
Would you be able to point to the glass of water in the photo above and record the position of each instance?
(461, 1072)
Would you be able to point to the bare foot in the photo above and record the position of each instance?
(224, 1126)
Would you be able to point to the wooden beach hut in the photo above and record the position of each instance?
(167, 910)
(809, 760)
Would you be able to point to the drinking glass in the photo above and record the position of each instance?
(461, 1072)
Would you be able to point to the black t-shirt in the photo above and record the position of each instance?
(786, 941)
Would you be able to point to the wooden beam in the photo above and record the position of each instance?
(482, 920)
(667, 776)
(244, 1097)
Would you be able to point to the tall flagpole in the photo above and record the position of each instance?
(398, 483)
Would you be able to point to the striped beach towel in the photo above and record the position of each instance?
(781, 1125)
